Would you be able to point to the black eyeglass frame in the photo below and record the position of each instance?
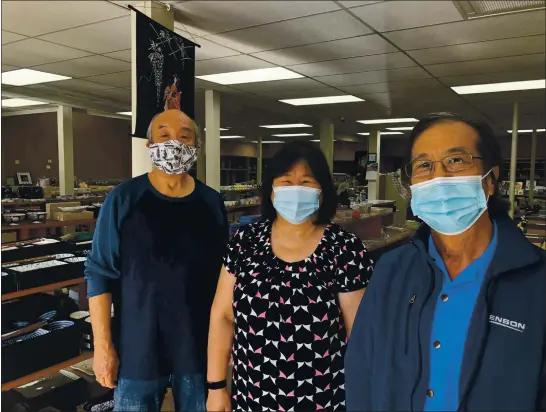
(408, 168)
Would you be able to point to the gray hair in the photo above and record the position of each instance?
(196, 130)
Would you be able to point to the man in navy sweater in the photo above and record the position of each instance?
(157, 253)
(456, 320)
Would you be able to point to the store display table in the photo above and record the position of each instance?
(27, 230)
(45, 372)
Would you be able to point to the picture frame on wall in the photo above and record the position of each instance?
(24, 178)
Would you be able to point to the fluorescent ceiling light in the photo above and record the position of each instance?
(24, 77)
(222, 129)
(364, 134)
(318, 141)
(125, 113)
(269, 141)
(399, 128)
(381, 121)
(251, 76)
(382, 133)
(307, 101)
(21, 103)
(501, 87)
(527, 130)
(232, 137)
(291, 134)
(286, 126)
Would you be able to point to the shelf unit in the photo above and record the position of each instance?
(237, 169)
(523, 170)
(45, 372)
(54, 368)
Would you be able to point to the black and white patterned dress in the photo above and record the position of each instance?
(290, 338)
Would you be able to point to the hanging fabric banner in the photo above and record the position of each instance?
(165, 72)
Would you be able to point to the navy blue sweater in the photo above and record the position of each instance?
(503, 369)
(160, 257)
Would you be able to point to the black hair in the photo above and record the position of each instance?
(283, 161)
(488, 148)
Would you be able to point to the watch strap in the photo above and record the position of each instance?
(217, 385)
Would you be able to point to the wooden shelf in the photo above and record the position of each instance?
(45, 288)
(45, 372)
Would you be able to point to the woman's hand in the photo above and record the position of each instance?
(218, 401)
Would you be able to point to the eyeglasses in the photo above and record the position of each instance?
(453, 163)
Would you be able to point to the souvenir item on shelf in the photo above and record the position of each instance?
(72, 209)
(23, 178)
(75, 259)
(37, 216)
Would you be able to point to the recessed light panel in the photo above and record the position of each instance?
(222, 129)
(364, 134)
(527, 131)
(291, 135)
(24, 77)
(381, 121)
(269, 141)
(385, 133)
(251, 76)
(286, 126)
(308, 101)
(400, 128)
(501, 87)
(21, 103)
(125, 113)
(232, 137)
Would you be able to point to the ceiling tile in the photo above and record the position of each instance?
(357, 3)
(529, 61)
(332, 50)
(229, 64)
(279, 85)
(208, 17)
(355, 64)
(124, 55)
(33, 18)
(211, 50)
(480, 50)
(398, 15)
(8, 37)
(103, 37)
(122, 79)
(389, 99)
(500, 77)
(32, 52)
(295, 32)
(470, 31)
(393, 86)
(85, 67)
(299, 94)
(117, 94)
(7, 68)
(379, 76)
(72, 85)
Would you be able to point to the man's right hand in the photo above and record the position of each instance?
(105, 365)
(218, 401)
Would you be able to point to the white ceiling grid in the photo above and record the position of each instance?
(401, 56)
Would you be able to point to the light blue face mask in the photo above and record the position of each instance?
(296, 204)
(449, 205)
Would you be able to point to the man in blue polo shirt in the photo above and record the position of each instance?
(456, 320)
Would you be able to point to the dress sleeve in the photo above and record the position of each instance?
(353, 265)
(234, 251)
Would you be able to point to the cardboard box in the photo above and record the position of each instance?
(68, 216)
(54, 207)
(8, 237)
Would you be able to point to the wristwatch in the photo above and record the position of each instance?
(217, 385)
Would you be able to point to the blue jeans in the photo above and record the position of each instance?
(133, 395)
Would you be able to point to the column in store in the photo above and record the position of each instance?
(327, 141)
(201, 161)
(513, 160)
(533, 165)
(374, 147)
(212, 151)
(259, 161)
(65, 139)
(141, 162)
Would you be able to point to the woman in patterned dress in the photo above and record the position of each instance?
(287, 296)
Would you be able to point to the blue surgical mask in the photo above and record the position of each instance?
(449, 205)
(296, 204)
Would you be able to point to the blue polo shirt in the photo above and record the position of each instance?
(450, 325)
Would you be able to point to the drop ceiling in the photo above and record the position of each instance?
(402, 57)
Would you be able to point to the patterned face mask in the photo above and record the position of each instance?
(173, 157)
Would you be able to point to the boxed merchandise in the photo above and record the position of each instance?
(54, 207)
(69, 216)
(31, 248)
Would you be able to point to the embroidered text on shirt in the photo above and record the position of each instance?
(507, 323)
